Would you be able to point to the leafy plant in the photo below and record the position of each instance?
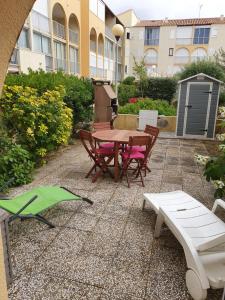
(208, 67)
(125, 92)
(15, 162)
(163, 88)
(40, 123)
(129, 80)
(148, 104)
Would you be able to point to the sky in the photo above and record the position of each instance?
(172, 9)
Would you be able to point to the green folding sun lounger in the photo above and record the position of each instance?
(32, 203)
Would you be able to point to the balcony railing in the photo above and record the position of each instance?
(49, 63)
(152, 42)
(182, 59)
(59, 30)
(40, 22)
(60, 64)
(93, 71)
(14, 60)
(74, 36)
(74, 67)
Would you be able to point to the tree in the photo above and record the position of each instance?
(220, 58)
(140, 72)
(208, 67)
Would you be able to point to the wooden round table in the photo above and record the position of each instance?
(118, 137)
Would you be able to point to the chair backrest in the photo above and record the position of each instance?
(140, 141)
(87, 141)
(153, 131)
(102, 126)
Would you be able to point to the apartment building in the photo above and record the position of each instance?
(167, 45)
(73, 36)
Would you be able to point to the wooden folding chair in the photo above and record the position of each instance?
(104, 126)
(130, 155)
(100, 157)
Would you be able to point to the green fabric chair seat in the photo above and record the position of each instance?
(44, 198)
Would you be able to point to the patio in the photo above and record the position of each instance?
(107, 251)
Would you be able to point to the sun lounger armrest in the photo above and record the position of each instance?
(22, 209)
(212, 243)
(218, 202)
(81, 198)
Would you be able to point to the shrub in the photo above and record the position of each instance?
(125, 92)
(129, 80)
(15, 162)
(78, 92)
(222, 98)
(161, 88)
(207, 67)
(40, 123)
(148, 104)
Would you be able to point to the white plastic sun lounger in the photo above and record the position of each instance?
(201, 234)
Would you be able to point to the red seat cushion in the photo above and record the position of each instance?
(106, 152)
(133, 155)
(107, 146)
(137, 148)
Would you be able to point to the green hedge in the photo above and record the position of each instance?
(125, 92)
(40, 123)
(78, 92)
(148, 104)
(163, 88)
(154, 88)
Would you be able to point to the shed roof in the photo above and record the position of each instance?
(200, 74)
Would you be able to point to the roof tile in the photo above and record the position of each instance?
(180, 22)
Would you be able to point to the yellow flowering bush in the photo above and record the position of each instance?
(40, 123)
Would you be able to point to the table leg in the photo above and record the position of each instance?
(116, 161)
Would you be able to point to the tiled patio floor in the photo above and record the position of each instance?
(107, 251)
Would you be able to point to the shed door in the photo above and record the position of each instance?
(197, 108)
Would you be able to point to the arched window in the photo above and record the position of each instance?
(198, 54)
(182, 56)
(151, 57)
(74, 30)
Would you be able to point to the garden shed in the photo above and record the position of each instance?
(197, 106)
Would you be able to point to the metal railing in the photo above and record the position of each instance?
(60, 64)
(49, 63)
(151, 42)
(93, 71)
(182, 59)
(74, 67)
(40, 22)
(59, 30)
(73, 36)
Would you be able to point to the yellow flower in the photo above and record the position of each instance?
(43, 128)
(30, 132)
(42, 152)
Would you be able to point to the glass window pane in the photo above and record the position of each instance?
(46, 45)
(37, 42)
(23, 41)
